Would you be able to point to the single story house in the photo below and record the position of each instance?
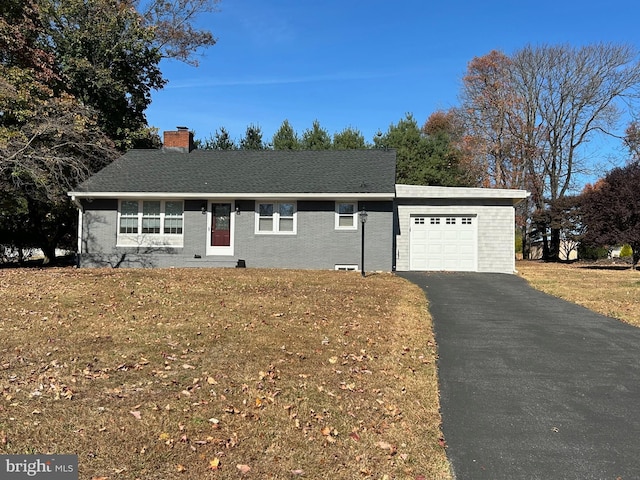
(183, 207)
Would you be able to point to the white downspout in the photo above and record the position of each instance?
(79, 205)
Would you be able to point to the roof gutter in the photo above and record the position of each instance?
(235, 196)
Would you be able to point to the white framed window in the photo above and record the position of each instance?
(346, 217)
(434, 221)
(151, 216)
(128, 216)
(173, 217)
(466, 221)
(276, 217)
(150, 223)
(451, 220)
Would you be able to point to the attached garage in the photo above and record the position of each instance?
(456, 229)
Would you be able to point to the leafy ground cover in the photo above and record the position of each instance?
(611, 290)
(165, 374)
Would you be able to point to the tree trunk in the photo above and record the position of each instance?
(636, 255)
(554, 245)
(542, 228)
(49, 252)
(526, 248)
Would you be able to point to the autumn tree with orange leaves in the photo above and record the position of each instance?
(528, 117)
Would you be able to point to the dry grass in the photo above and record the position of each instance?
(165, 374)
(609, 291)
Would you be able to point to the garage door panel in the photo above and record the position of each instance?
(450, 235)
(443, 243)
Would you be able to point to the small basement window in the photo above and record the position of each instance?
(347, 268)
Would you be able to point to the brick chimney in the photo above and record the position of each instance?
(180, 140)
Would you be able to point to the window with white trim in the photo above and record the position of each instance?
(276, 217)
(150, 222)
(346, 216)
(128, 216)
(151, 216)
(434, 221)
(451, 221)
(173, 217)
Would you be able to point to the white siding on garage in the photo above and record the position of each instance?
(494, 230)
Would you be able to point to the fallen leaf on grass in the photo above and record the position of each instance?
(243, 468)
(442, 442)
(297, 472)
(181, 468)
(387, 446)
(214, 464)
(136, 413)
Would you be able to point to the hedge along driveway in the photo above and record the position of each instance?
(532, 386)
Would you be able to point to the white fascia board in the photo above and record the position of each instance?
(424, 191)
(235, 196)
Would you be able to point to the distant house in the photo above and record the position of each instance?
(568, 250)
(181, 207)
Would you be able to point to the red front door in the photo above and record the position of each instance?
(220, 224)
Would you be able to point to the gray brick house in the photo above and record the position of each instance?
(182, 207)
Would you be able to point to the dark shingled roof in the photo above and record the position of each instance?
(248, 171)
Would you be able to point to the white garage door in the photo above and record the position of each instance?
(443, 243)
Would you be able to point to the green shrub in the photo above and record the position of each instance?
(626, 251)
(589, 252)
(518, 244)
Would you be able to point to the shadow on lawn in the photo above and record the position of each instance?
(608, 267)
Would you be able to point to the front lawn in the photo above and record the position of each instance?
(192, 374)
(604, 289)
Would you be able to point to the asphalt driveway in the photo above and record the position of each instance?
(532, 387)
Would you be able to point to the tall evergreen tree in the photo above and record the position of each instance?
(348, 139)
(421, 159)
(286, 138)
(252, 139)
(316, 138)
(221, 140)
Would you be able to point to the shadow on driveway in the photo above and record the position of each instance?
(531, 386)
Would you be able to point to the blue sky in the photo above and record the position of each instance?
(358, 63)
